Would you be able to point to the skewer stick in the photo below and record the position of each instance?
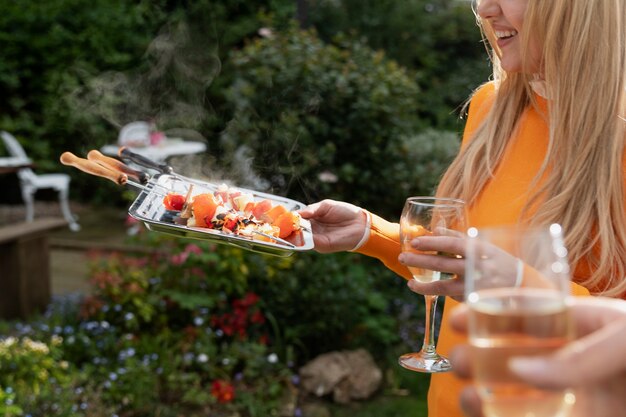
(277, 239)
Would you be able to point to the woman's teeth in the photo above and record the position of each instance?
(505, 33)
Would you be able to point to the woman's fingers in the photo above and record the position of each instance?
(458, 318)
(470, 402)
(460, 360)
(441, 263)
(449, 287)
(449, 249)
(592, 313)
(450, 243)
(590, 359)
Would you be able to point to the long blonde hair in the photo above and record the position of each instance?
(583, 64)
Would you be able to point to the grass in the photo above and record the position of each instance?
(407, 400)
(384, 406)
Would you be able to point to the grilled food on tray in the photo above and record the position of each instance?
(231, 211)
(248, 219)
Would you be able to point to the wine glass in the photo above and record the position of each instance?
(429, 216)
(516, 288)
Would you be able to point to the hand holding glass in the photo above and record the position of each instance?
(516, 288)
(428, 216)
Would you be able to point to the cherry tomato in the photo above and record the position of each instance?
(174, 201)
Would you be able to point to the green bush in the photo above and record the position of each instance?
(316, 121)
(197, 329)
(35, 380)
(308, 299)
(72, 72)
(438, 40)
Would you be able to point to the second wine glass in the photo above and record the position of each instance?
(428, 216)
(517, 284)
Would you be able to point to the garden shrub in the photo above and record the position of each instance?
(325, 121)
(73, 71)
(438, 40)
(196, 329)
(333, 302)
(36, 380)
(169, 334)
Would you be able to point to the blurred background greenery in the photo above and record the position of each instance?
(368, 87)
(357, 100)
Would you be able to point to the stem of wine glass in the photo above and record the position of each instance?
(428, 348)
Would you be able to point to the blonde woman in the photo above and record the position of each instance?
(544, 142)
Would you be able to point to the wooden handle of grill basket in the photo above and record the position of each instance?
(117, 165)
(68, 158)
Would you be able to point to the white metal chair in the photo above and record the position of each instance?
(31, 182)
(134, 134)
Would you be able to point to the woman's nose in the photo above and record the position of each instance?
(487, 8)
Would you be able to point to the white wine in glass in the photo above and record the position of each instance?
(428, 216)
(516, 286)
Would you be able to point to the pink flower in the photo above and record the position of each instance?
(191, 248)
(179, 258)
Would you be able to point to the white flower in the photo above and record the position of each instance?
(327, 177)
(266, 33)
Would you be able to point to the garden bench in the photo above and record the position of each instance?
(25, 267)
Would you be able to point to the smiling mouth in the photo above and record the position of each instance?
(505, 34)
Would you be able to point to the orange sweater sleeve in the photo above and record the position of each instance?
(384, 244)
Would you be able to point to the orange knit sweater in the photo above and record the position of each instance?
(500, 203)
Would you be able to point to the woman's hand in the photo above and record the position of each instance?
(594, 365)
(491, 259)
(453, 244)
(337, 226)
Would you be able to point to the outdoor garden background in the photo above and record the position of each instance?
(356, 100)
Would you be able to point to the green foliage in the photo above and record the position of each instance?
(49, 47)
(34, 377)
(439, 40)
(7, 404)
(197, 329)
(426, 157)
(49, 50)
(74, 71)
(392, 406)
(308, 298)
(186, 339)
(324, 121)
(180, 332)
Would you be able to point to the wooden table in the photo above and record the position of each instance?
(25, 261)
(161, 152)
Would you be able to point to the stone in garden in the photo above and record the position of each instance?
(348, 375)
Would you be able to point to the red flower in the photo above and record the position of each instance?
(223, 391)
(90, 307)
(191, 333)
(257, 317)
(250, 299)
